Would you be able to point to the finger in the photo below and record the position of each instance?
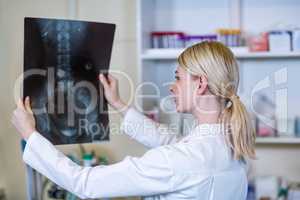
(27, 105)
(12, 121)
(112, 79)
(13, 118)
(21, 104)
(103, 81)
(99, 76)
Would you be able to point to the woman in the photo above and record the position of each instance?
(208, 163)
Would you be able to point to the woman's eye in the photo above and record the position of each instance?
(176, 77)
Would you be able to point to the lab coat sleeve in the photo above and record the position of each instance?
(147, 131)
(148, 175)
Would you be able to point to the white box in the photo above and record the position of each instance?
(280, 41)
(266, 186)
(296, 40)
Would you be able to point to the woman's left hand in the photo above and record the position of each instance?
(23, 119)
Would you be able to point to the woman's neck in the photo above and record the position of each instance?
(208, 110)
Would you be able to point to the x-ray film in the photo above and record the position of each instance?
(62, 61)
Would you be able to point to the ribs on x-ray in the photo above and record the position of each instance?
(62, 61)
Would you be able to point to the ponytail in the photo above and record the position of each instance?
(241, 133)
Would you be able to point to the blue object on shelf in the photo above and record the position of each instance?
(297, 126)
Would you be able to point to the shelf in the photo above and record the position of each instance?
(240, 53)
(153, 54)
(277, 140)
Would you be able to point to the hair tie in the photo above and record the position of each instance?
(231, 99)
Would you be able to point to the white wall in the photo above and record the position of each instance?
(13, 13)
(262, 15)
(2, 63)
(278, 160)
(190, 16)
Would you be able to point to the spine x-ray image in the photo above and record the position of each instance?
(62, 61)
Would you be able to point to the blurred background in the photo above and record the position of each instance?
(264, 35)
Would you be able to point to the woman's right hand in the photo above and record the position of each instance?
(111, 92)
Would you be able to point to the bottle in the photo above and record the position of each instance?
(87, 159)
(265, 117)
(297, 126)
(251, 191)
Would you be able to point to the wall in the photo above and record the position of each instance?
(279, 160)
(2, 63)
(13, 13)
(11, 65)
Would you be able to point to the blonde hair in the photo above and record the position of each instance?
(215, 61)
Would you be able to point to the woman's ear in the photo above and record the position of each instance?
(202, 85)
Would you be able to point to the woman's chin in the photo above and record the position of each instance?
(178, 109)
(181, 110)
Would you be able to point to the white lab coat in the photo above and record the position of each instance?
(198, 166)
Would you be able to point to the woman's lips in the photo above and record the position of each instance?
(174, 100)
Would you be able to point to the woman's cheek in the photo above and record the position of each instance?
(186, 102)
(178, 104)
(181, 104)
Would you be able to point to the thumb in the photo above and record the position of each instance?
(21, 104)
(27, 105)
